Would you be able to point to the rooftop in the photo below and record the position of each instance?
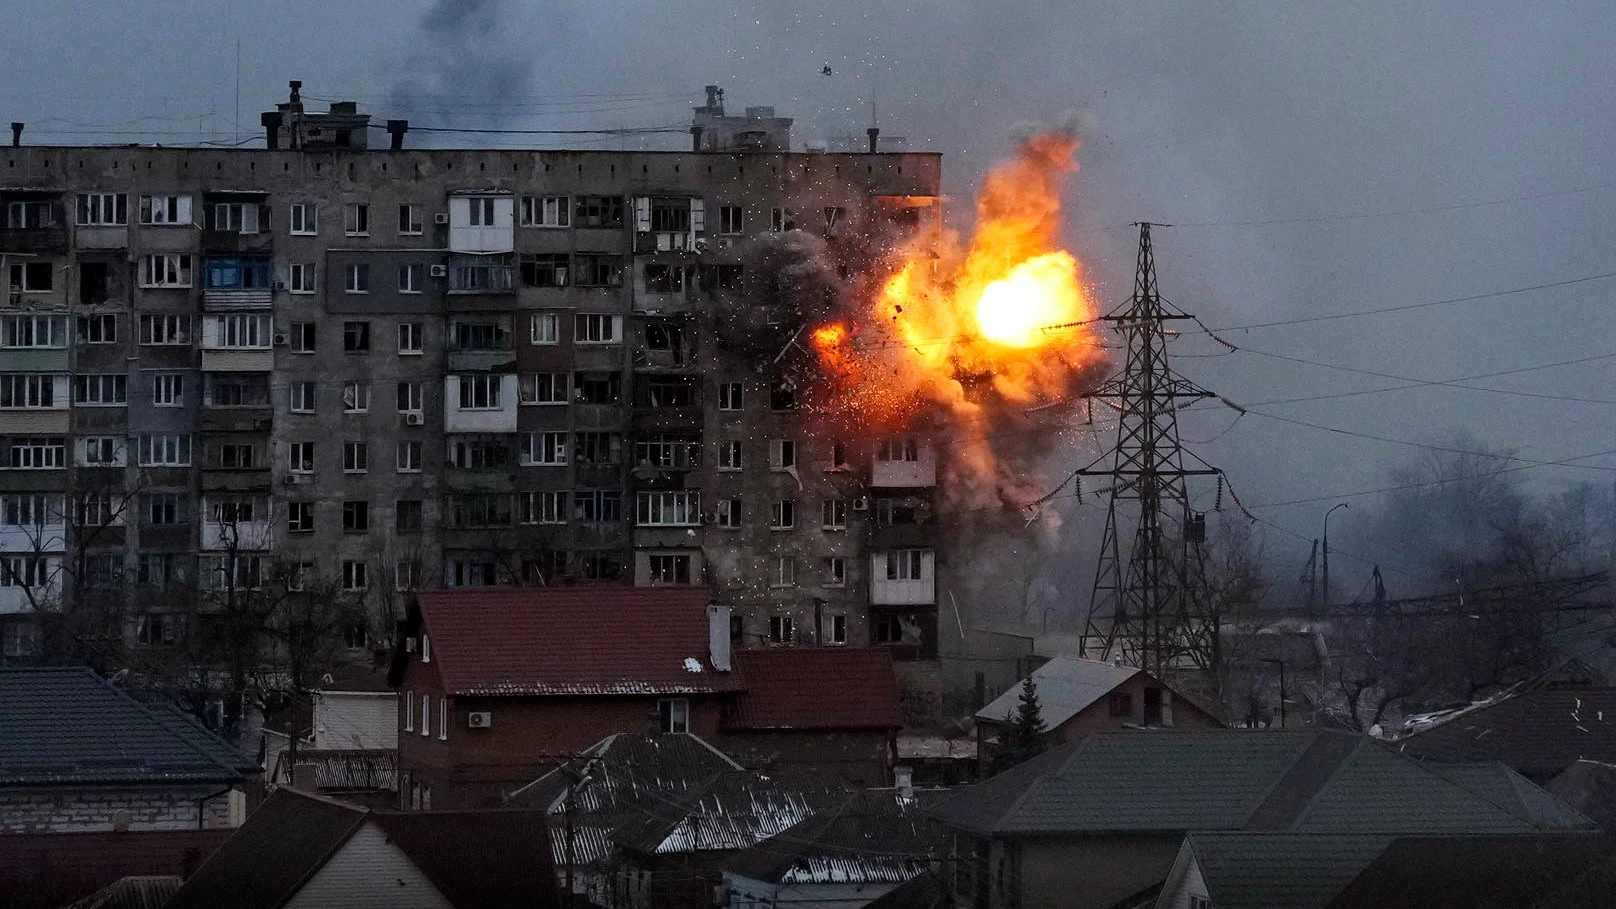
(870, 838)
(1485, 872)
(816, 688)
(1066, 686)
(1539, 732)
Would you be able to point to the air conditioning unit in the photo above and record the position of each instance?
(480, 719)
(709, 517)
(440, 271)
(289, 480)
(441, 217)
(414, 418)
(280, 339)
(861, 504)
(280, 285)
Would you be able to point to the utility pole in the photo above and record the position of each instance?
(1150, 611)
(1310, 575)
(1327, 551)
(1283, 694)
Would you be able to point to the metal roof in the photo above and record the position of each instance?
(1066, 686)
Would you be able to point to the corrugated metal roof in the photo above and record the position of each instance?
(731, 811)
(871, 837)
(1066, 686)
(816, 688)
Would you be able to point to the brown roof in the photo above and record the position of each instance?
(561, 641)
(816, 688)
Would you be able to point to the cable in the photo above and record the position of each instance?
(626, 131)
(1397, 213)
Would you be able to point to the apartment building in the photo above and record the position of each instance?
(330, 365)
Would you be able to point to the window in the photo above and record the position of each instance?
(597, 506)
(545, 328)
(465, 335)
(835, 216)
(731, 455)
(782, 630)
(163, 508)
(165, 450)
(33, 331)
(358, 278)
(102, 329)
(480, 510)
(33, 276)
(353, 575)
(897, 511)
(834, 629)
(409, 278)
(665, 568)
(300, 457)
(596, 328)
(777, 220)
(355, 457)
(479, 391)
(409, 219)
(898, 450)
(30, 510)
(835, 514)
(235, 511)
(299, 517)
(409, 337)
(356, 219)
(674, 714)
(544, 449)
(678, 508)
(300, 278)
(1120, 703)
(161, 629)
(1200, 902)
(18, 639)
(598, 566)
(544, 508)
(667, 391)
(409, 457)
(545, 211)
(544, 388)
(165, 270)
(480, 211)
(470, 573)
(905, 565)
(478, 452)
(407, 516)
(98, 509)
(100, 390)
(785, 572)
(156, 329)
(729, 513)
(101, 451)
(356, 337)
(409, 711)
(783, 514)
(661, 278)
(782, 454)
(443, 736)
(783, 396)
(407, 574)
(355, 517)
(729, 396)
(168, 390)
(598, 211)
(36, 453)
(838, 456)
(300, 397)
(480, 274)
(165, 210)
(597, 270)
(833, 572)
(303, 218)
(723, 276)
(103, 209)
(731, 219)
(240, 331)
(599, 389)
(544, 270)
(411, 396)
(355, 397)
(233, 456)
(237, 217)
(597, 448)
(29, 390)
(160, 568)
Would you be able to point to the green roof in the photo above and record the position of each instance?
(1280, 870)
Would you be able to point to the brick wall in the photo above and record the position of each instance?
(94, 810)
(861, 757)
(54, 869)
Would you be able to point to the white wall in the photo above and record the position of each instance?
(368, 872)
(906, 474)
(498, 238)
(501, 420)
(922, 592)
(355, 719)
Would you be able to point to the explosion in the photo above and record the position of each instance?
(959, 331)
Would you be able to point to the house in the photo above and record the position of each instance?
(351, 751)
(300, 849)
(79, 754)
(847, 856)
(1533, 871)
(816, 709)
(1539, 731)
(1078, 697)
(498, 686)
(1103, 820)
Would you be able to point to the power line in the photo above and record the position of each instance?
(1402, 212)
(1417, 383)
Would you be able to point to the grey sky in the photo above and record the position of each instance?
(1201, 112)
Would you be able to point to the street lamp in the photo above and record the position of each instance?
(1282, 693)
(1327, 551)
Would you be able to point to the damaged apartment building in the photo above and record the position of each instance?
(365, 368)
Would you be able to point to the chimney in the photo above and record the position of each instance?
(396, 130)
(714, 98)
(695, 138)
(718, 636)
(303, 778)
(874, 133)
(271, 121)
(297, 88)
(903, 779)
(16, 134)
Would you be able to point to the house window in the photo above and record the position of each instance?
(356, 219)
(835, 215)
(598, 389)
(241, 331)
(300, 277)
(355, 457)
(411, 395)
(731, 455)
(470, 573)
(409, 278)
(544, 449)
(30, 510)
(358, 278)
(234, 456)
(102, 329)
(479, 391)
(36, 453)
(103, 209)
(888, 629)
(33, 332)
(237, 217)
(443, 731)
(905, 565)
(668, 569)
(597, 270)
(478, 453)
(303, 337)
(33, 276)
(161, 629)
(782, 630)
(782, 396)
(356, 516)
(676, 508)
(303, 218)
(409, 219)
(835, 514)
(480, 211)
(101, 451)
(165, 210)
(598, 211)
(783, 514)
(410, 338)
(355, 397)
(545, 388)
(545, 328)
(674, 714)
(353, 575)
(835, 630)
(833, 572)
(731, 219)
(409, 711)
(409, 457)
(300, 457)
(164, 508)
(464, 335)
(546, 211)
(164, 270)
(729, 396)
(300, 397)
(480, 510)
(729, 513)
(407, 515)
(544, 270)
(97, 509)
(598, 506)
(1200, 902)
(165, 450)
(597, 328)
(544, 508)
(29, 391)
(356, 337)
(777, 220)
(661, 278)
(898, 450)
(160, 568)
(782, 454)
(1121, 703)
(407, 574)
(785, 572)
(597, 448)
(299, 517)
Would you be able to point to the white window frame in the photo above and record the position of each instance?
(731, 396)
(101, 389)
(411, 341)
(835, 572)
(784, 573)
(356, 219)
(597, 328)
(164, 450)
(356, 397)
(545, 328)
(168, 389)
(300, 397)
(242, 331)
(411, 221)
(412, 394)
(546, 211)
(673, 715)
(833, 514)
(544, 449)
(355, 457)
(356, 278)
(546, 506)
(782, 454)
(408, 457)
(411, 278)
(102, 209)
(731, 456)
(301, 278)
(731, 219)
(33, 391)
(99, 328)
(300, 457)
(355, 575)
(172, 329)
(480, 391)
(166, 270)
(166, 211)
(100, 451)
(303, 219)
(783, 514)
(558, 389)
(237, 217)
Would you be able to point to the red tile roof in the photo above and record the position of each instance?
(816, 688)
(565, 641)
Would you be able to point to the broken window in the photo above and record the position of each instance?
(838, 456)
(664, 279)
(904, 449)
(471, 572)
(665, 451)
(103, 209)
(783, 395)
(597, 270)
(670, 215)
(598, 447)
(468, 335)
(165, 210)
(355, 516)
(723, 276)
(782, 454)
(545, 566)
(407, 515)
(667, 391)
(896, 511)
(545, 211)
(545, 270)
(35, 277)
(663, 336)
(599, 389)
(30, 215)
(94, 282)
(835, 215)
(888, 629)
(598, 211)
(356, 337)
(478, 453)
(480, 509)
(668, 569)
(905, 565)
(163, 270)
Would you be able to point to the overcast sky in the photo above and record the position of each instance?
(1211, 114)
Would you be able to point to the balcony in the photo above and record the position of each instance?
(237, 283)
(42, 239)
(904, 536)
(481, 360)
(249, 418)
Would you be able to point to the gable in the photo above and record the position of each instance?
(369, 872)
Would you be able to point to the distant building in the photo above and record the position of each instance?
(78, 754)
(1539, 731)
